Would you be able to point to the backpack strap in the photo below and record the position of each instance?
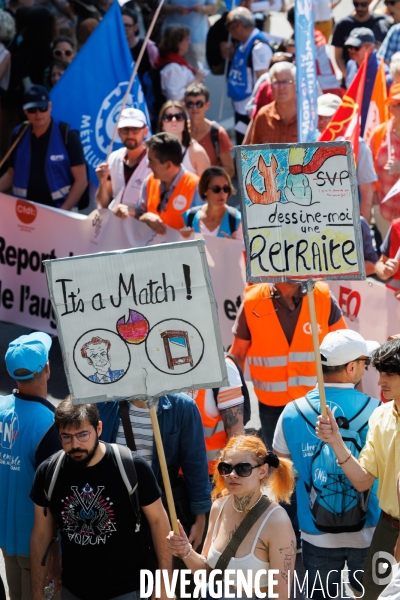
(64, 129)
(192, 214)
(126, 466)
(297, 407)
(214, 136)
(239, 535)
(232, 216)
(52, 471)
(127, 425)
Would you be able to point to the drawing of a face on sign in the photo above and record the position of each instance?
(174, 346)
(300, 212)
(101, 356)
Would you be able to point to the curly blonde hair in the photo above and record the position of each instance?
(7, 26)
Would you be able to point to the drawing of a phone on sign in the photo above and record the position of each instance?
(177, 348)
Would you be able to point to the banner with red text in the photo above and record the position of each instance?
(31, 233)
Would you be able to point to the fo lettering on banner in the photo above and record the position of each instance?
(137, 323)
(300, 211)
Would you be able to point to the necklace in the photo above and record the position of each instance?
(246, 510)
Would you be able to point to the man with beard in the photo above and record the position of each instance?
(121, 177)
(101, 550)
(27, 438)
(97, 353)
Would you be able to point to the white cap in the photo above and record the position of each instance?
(344, 345)
(327, 105)
(132, 117)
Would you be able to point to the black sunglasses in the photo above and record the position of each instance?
(217, 189)
(59, 53)
(35, 109)
(243, 469)
(352, 48)
(178, 116)
(198, 104)
(390, 2)
(362, 4)
(366, 360)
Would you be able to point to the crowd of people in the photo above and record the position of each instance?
(82, 498)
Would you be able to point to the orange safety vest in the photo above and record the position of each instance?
(281, 373)
(214, 431)
(179, 201)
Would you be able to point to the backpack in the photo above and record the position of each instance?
(126, 466)
(245, 392)
(336, 506)
(214, 137)
(84, 200)
(232, 214)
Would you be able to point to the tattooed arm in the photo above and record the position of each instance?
(281, 544)
(233, 420)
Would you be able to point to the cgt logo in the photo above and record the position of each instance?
(26, 211)
(349, 302)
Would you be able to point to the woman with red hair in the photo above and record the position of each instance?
(243, 474)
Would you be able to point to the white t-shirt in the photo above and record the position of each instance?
(356, 539)
(174, 80)
(322, 10)
(261, 57)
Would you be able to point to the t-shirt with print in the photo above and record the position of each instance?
(101, 552)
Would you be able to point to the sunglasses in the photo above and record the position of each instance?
(366, 360)
(59, 53)
(36, 109)
(284, 82)
(167, 117)
(243, 469)
(352, 48)
(198, 104)
(390, 2)
(217, 189)
(362, 4)
(126, 130)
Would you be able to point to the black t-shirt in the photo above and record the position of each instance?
(101, 552)
(38, 189)
(379, 24)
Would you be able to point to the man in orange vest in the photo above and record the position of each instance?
(273, 330)
(222, 417)
(170, 190)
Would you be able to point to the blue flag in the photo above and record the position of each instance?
(89, 95)
(306, 72)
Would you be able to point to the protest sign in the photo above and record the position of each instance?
(300, 212)
(301, 218)
(137, 323)
(90, 94)
(306, 72)
(31, 233)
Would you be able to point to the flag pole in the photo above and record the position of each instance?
(134, 73)
(314, 330)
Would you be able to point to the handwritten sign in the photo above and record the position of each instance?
(137, 323)
(301, 213)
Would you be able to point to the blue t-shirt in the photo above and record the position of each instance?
(224, 227)
(197, 22)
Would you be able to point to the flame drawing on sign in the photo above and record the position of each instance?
(271, 193)
(135, 330)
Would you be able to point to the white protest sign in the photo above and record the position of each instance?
(137, 323)
(300, 211)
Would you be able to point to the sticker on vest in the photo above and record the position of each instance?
(179, 203)
(307, 328)
(57, 157)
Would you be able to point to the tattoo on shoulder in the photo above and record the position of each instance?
(230, 416)
(289, 557)
(232, 532)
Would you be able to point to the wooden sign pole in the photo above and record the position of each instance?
(314, 330)
(164, 470)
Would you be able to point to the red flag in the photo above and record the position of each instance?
(345, 123)
(378, 110)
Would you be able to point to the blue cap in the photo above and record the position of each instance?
(30, 352)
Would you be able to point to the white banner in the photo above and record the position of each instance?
(371, 309)
(31, 233)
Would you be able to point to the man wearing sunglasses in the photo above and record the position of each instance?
(27, 437)
(121, 177)
(361, 17)
(344, 355)
(47, 165)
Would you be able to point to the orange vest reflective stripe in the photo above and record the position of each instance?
(179, 201)
(214, 431)
(281, 373)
